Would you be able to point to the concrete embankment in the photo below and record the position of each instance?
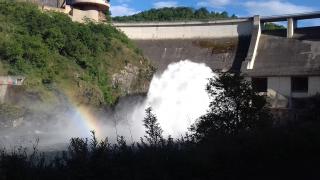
(186, 30)
(279, 56)
(224, 54)
(222, 45)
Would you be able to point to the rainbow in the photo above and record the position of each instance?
(83, 118)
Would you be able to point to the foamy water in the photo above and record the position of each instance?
(177, 97)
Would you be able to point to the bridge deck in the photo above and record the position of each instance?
(312, 15)
(181, 23)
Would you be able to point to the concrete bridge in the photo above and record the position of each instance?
(283, 63)
(292, 20)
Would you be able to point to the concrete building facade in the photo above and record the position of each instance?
(79, 10)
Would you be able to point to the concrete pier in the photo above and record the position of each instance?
(255, 37)
(292, 25)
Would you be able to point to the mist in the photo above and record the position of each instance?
(177, 97)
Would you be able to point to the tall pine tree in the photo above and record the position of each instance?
(153, 129)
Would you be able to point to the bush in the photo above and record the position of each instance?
(235, 107)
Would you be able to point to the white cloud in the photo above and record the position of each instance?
(162, 4)
(274, 7)
(214, 3)
(122, 10)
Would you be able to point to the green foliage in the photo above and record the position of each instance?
(307, 108)
(9, 112)
(175, 14)
(268, 154)
(153, 129)
(272, 26)
(108, 16)
(48, 47)
(235, 108)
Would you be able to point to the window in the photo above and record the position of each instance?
(260, 84)
(299, 84)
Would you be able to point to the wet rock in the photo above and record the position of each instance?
(132, 80)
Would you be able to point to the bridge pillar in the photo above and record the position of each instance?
(292, 25)
(254, 43)
(3, 92)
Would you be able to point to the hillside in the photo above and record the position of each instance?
(93, 64)
(174, 14)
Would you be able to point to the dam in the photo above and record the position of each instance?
(283, 64)
(214, 43)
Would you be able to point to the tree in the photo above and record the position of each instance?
(173, 14)
(235, 108)
(202, 13)
(153, 129)
(272, 26)
(108, 15)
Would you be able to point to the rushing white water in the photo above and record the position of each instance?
(177, 97)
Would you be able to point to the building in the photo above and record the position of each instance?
(78, 10)
(285, 63)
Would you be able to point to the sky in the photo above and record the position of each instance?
(241, 8)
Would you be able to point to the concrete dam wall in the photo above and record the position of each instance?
(186, 30)
(222, 45)
(223, 54)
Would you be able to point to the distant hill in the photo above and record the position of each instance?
(175, 14)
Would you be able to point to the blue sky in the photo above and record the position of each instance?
(242, 8)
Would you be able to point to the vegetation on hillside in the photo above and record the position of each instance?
(55, 53)
(229, 147)
(8, 114)
(272, 26)
(175, 14)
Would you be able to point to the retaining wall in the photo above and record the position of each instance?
(186, 30)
